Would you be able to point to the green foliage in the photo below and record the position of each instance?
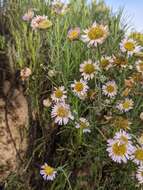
(84, 158)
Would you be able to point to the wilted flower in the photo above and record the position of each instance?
(25, 73)
(29, 15)
(47, 102)
(40, 22)
(139, 66)
(59, 7)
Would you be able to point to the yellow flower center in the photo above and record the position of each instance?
(89, 68)
(83, 125)
(141, 66)
(73, 35)
(126, 104)
(48, 170)
(119, 149)
(129, 46)
(44, 24)
(110, 88)
(62, 112)
(79, 87)
(104, 63)
(95, 33)
(139, 154)
(58, 93)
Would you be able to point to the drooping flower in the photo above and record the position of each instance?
(61, 113)
(120, 61)
(139, 66)
(80, 88)
(96, 34)
(25, 73)
(73, 33)
(106, 63)
(139, 174)
(130, 46)
(119, 152)
(125, 105)
(40, 22)
(28, 15)
(48, 172)
(137, 155)
(110, 89)
(59, 94)
(88, 69)
(84, 125)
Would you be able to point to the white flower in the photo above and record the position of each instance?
(110, 89)
(139, 66)
(119, 152)
(40, 22)
(141, 116)
(139, 174)
(95, 35)
(61, 112)
(106, 63)
(124, 138)
(126, 105)
(88, 69)
(84, 125)
(59, 94)
(80, 88)
(73, 33)
(59, 7)
(137, 155)
(130, 46)
(47, 172)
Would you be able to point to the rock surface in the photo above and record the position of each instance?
(13, 131)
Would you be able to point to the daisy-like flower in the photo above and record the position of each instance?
(47, 172)
(130, 46)
(88, 69)
(84, 125)
(61, 113)
(73, 33)
(40, 22)
(59, 94)
(141, 116)
(29, 15)
(137, 155)
(123, 137)
(25, 73)
(139, 66)
(119, 152)
(126, 105)
(139, 175)
(80, 88)
(120, 61)
(110, 89)
(95, 35)
(106, 63)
